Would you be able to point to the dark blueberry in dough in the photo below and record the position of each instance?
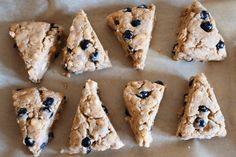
(131, 49)
(159, 82)
(22, 112)
(69, 50)
(190, 83)
(84, 44)
(86, 142)
(204, 15)
(220, 45)
(105, 109)
(203, 108)
(143, 6)
(144, 94)
(127, 9)
(94, 57)
(46, 108)
(206, 26)
(29, 142)
(51, 115)
(199, 122)
(15, 46)
(136, 22)
(49, 101)
(127, 112)
(43, 145)
(128, 35)
(89, 149)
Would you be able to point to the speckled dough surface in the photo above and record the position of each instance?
(198, 38)
(84, 51)
(142, 99)
(36, 110)
(91, 129)
(202, 117)
(38, 43)
(133, 28)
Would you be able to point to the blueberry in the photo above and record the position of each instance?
(144, 94)
(86, 142)
(127, 9)
(29, 142)
(43, 145)
(84, 44)
(46, 108)
(105, 109)
(204, 15)
(131, 49)
(89, 149)
(190, 83)
(143, 6)
(206, 26)
(128, 35)
(127, 112)
(136, 23)
(199, 122)
(203, 108)
(159, 82)
(49, 101)
(220, 45)
(94, 57)
(22, 112)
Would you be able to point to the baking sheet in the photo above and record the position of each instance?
(159, 66)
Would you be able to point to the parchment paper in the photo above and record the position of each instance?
(160, 66)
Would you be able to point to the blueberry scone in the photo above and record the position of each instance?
(36, 110)
(91, 129)
(38, 43)
(133, 28)
(83, 51)
(202, 117)
(142, 99)
(198, 38)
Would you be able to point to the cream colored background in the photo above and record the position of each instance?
(159, 66)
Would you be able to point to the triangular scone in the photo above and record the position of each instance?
(142, 99)
(202, 117)
(91, 129)
(38, 43)
(36, 110)
(133, 28)
(83, 51)
(198, 37)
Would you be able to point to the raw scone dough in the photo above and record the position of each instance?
(142, 99)
(133, 28)
(91, 129)
(84, 51)
(198, 38)
(36, 110)
(202, 117)
(38, 43)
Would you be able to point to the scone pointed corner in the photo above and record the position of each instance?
(84, 52)
(91, 128)
(202, 117)
(36, 110)
(38, 44)
(133, 29)
(198, 38)
(142, 100)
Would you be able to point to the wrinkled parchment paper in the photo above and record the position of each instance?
(159, 66)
